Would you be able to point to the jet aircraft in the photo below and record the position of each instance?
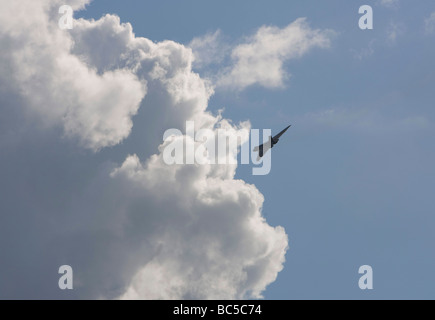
(269, 144)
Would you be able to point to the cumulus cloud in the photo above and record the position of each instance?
(58, 87)
(260, 59)
(137, 228)
(220, 246)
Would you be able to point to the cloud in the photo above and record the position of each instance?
(134, 228)
(260, 59)
(218, 246)
(209, 49)
(430, 23)
(393, 32)
(58, 87)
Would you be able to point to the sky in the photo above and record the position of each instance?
(83, 181)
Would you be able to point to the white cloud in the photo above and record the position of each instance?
(58, 86)
(430, 23)
(219, 247)
(142, 229)
(209, 49)
(260, 59)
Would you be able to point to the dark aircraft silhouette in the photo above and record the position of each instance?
(268, 145)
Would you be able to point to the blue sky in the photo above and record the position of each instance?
(352, 181)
